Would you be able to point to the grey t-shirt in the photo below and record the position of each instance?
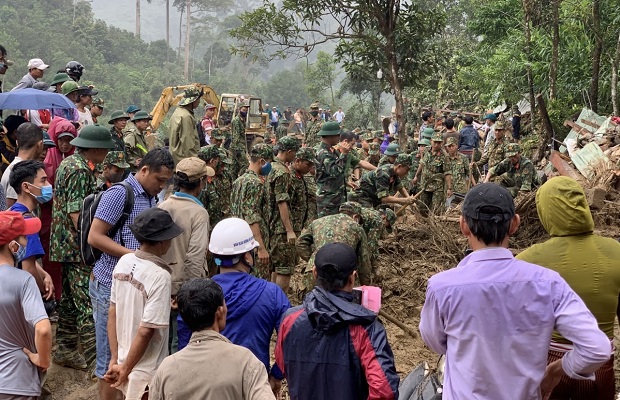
(21, 307)
(9, 192)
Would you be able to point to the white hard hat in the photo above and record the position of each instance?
(232, 236)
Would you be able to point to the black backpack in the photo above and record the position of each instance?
(89, 254)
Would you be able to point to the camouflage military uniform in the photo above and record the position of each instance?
(135, 147)
(216, 197)
(278, 189)
(311, 187)
(376, 185)
(338, 228)
(494, 153)
(331, 180)
(515, 178)
(384, 161)
(460, 173)
(118, 140)
(75, 181)
(435, 167)
(416, 157)
(238, 148)
(281, 131)
(312, 130)
(374, 228)
(247, 202)
(301, 202)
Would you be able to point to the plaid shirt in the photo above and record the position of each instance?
(110, 210)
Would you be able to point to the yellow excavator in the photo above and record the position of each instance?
(227, 107)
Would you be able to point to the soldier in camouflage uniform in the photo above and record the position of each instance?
(390, 154)
(381, 185)
(374, 155)
(75, 180)
(313, 126)
(282, 129)
(496, 150)
(135, 139)
(416, 158)
(460, 167)
(247, 202)
(436, 177)
(344, 227)
(303, 199)
(216, 196)
(118, 120)
(279, 191)
(238, 145)
(114, 166)
(516, 172)
(375, 223)
(331, 178)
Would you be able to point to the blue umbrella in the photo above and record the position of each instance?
(33, 99)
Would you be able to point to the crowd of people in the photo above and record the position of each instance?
(166, 263)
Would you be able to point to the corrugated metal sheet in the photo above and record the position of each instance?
(588, 159)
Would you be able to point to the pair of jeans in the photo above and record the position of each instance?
(100, 298)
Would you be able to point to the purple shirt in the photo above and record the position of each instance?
(493, 316)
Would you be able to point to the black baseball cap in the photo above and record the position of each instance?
(155, 225)
(489, 202)
(335, 261)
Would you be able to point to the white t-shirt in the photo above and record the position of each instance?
(8, 190)
(141, 292)
(339, 116)
(85, 118)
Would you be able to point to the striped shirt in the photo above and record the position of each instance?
(109, 211)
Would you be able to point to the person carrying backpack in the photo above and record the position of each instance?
(75, 181)
(154, 171)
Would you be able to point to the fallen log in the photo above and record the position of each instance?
(396, 322)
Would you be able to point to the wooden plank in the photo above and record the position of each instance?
(590, 123)
(579, 129)
(563, 167)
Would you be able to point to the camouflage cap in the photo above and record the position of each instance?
(314, 105)
(500, 125)
(262, 150)
(306, 153)
(391, 217)
(224, 156)
(393, 149)
(512, 149)
(98, 101)
(451, 141)
(373, 149)
(286, 143)
(404, 159)
(378, 134)
(47, 140)
(352, 207)
(190, 95)
(284, 121)
(69, 87)
(217, 133)
(427, 133)
(207, 153)
(437, 137)
(245, 103)
(116, 158)
(424, 142)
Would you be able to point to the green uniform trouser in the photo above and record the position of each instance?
(75, 313)
(433, 201)
(283, 255)
(240, 162)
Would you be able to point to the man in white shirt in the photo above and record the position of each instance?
(85, 98)
(339, 115)
(140, 305)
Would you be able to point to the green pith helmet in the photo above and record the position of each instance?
(428, 133)
(331, 128)
(116, 158)
(191, 94)
(403, 159)
(512, 149)
(94, 137)
(424, 142)
(393, 149)
(118, 114)
(132, 109)
(437, 137)
(60, 78)
(262, 150)
(69, 87)
(47, 140)
(141, 115)
(306, 153)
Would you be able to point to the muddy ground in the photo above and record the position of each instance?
(417, 249)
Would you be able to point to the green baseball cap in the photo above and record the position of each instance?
(47, 140)
(191, 94)
(373, 149)
(141, 115)
(512, 149)
(331, 128)
(286, 143)
(262, 150)
(116, 158)
(69, 87)
(60, 78)
(208, 153)
(94, 137)
(118, 114)
(393, 149)
(352, 207)
(306, 153)
(437, 137)
(403, 159)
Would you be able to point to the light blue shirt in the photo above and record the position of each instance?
(493, 315)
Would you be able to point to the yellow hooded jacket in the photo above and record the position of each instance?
(589, 263)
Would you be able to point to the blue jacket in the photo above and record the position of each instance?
(255, 309)
(469, 138)
(330, 348)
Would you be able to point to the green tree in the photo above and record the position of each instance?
(320, 76)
